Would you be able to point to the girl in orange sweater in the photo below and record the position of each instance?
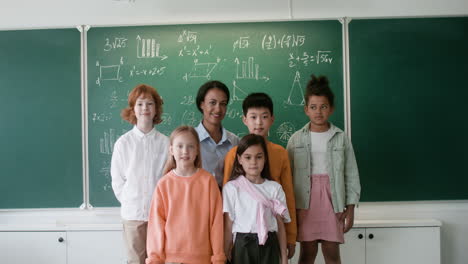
(186, 219)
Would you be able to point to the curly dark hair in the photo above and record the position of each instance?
(319, 86)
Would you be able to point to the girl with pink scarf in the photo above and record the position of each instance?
(254, 208)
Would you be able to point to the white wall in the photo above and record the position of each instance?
(67, 13)
(21, 14)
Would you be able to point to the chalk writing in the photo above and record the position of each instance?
(109, 72)
(201, 70)
(248, 69)
(105, 171)
(116, 43)
(101, 117)
(148, 48)
(305, 59)
(115, 100)
(285, 131)
(106, 143)
(188, 100)
(238, 94)
(234, 113)
(166, 119)
(197, 51)
(151, 71)
(241, 43)
(189, 119)
(272, 41)
(187, 36)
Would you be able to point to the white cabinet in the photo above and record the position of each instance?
(403, 245)
(33, 247)
(388, 245)
(62, 247)
(95, 247)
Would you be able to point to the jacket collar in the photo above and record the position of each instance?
(333, 128)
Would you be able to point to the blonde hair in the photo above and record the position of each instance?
(171, 163)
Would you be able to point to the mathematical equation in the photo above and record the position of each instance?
(306, 59)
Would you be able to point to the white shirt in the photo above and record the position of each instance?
(213, 153)
(137, 163)
(242, 208)
(318, 147)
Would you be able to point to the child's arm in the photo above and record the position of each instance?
(155, 239)
(228, 163)
(117, 171)
(282, 239)
(352, 186)
(216, 221)
(287, 184)
(227, 236)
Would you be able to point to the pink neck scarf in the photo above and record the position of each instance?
(273, 204)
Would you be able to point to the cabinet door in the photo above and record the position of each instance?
(403, 245)
(353, 250)
(33, 247)
(96, 247)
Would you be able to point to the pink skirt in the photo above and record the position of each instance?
(319, 222)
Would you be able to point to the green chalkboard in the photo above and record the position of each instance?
(40, 116)
(273, 57)
(409, 89)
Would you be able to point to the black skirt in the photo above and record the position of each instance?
(246, 249)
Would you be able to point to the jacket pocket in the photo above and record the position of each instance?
(300, 158)
(338, 154)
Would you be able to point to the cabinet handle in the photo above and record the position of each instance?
(371, 236)
(360, 236)
(60, 239)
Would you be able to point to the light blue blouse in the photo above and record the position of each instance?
(213, 153)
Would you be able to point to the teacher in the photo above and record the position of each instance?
(215, 141)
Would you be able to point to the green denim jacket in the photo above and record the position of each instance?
(341, 165)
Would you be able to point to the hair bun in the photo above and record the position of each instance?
(320, 81)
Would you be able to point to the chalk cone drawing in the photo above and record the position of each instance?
(296, 94)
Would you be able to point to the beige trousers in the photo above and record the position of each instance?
(134, 233)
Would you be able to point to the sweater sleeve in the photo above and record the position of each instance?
(155, 241)
(287, 184)
(228, 164)
(216, 224)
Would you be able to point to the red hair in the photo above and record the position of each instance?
(147, 91)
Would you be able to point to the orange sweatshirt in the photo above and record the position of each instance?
(280, 171)
(186, 220)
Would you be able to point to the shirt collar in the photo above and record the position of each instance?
(203, 133)
(140, 134)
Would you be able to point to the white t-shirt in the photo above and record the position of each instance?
(242, 208)
(318, 149)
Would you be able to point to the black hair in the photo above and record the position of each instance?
(319, 86)
(257, 100)
(203, 90)
(246, 142)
